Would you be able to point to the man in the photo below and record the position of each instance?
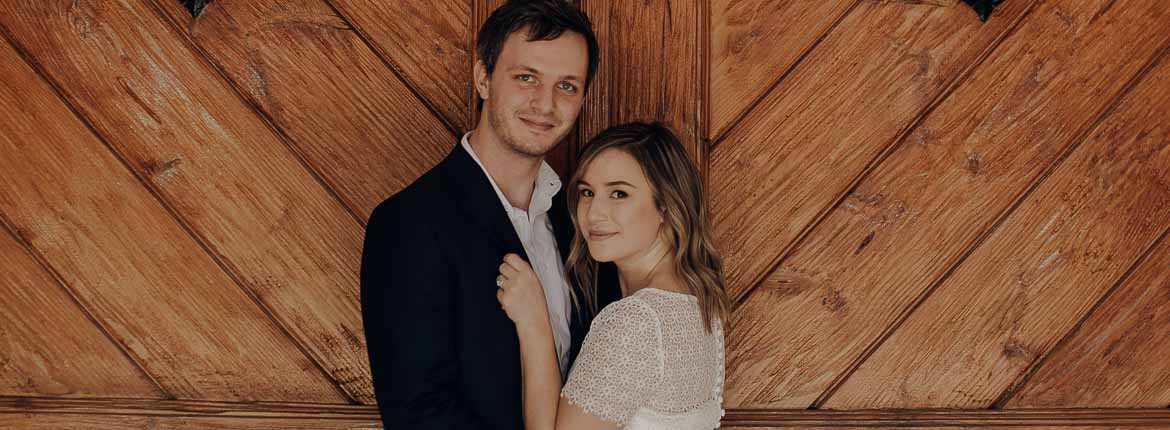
(443, 354)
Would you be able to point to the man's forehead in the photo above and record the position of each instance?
(563, 56)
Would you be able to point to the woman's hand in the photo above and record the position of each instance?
(520, 293)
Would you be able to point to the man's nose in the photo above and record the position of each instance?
(543, 100)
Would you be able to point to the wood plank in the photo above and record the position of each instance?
(427, 43)
(353, 121)
(923, 207)
(1117, 357)
(152, 287)
(1056, 418)
(754, 43)
(116, 422)
(62, 413)
(217, 166)
(50, 346)
(1053, 257)
(651, 68)
(808, 141)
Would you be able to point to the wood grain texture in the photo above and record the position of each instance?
(427, 43)
(915, 215)
(138, 414)
(860, 90)
(48, 345)
(350, 117)
(650, 70)
(227, 178)
(753, 44)
(1097, 419)
(1063, 247)
(1117, 358)
(127, 261)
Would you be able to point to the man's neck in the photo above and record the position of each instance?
(513, 172)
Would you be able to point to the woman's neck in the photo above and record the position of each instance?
(651, 269)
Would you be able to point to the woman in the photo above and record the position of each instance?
(654, 359)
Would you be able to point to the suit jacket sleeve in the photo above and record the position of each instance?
(407, 295)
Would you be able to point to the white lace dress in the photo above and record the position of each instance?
(649, 364)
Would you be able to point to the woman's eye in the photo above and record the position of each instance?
(565, 86)
(524, 78)
(586, 193)
(618, 194)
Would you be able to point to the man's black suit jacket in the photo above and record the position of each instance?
(443, 353)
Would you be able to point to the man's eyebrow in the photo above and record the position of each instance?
(529, 69)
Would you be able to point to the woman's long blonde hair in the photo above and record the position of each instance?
(678, 195)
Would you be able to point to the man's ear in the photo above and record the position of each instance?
(481, 80)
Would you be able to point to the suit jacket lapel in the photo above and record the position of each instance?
(477, 201)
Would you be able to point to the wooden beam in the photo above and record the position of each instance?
(54, 413)
(1070, 238)
(306, 71)
(120, 251)
(1032, 419)
(812, 138)
(51, 345)
(755, 44)
(425, 43)
(650, 69)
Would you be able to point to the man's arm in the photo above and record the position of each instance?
(407, 295)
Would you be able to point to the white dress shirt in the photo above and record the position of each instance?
(536, 234)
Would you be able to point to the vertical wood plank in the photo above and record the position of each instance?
(426, 43)
(49, 345)
(926, 204)
(350, 117)
(1041, 270)
(243, 194)
(123, 255)
(650, 70)
(779, 170)
(753, 44)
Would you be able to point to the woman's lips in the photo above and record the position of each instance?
(600, 236)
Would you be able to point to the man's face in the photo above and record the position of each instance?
(535, 92)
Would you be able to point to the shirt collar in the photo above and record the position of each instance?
(548, 183)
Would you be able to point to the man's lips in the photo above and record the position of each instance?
(538, 124)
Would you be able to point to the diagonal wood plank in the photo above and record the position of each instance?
(427, 43)
(311, 74)
(127, 261)
(1054, 256)
(50, 346)
(754, 43)
(226, 177)
(862, 88)
(650, 70)
(924, 205)
(1117, 358)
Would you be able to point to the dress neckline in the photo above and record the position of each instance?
(667, 293)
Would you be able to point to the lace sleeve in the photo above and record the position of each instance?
(620, 363)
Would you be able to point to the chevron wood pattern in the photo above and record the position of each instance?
(927, 221)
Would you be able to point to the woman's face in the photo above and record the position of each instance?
(616, 209)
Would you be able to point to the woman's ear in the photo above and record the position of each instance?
(481, 80)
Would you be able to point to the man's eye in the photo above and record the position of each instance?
(586, 192)
(524, 78)
(618, 194)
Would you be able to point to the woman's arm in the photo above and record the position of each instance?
(522, 297)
